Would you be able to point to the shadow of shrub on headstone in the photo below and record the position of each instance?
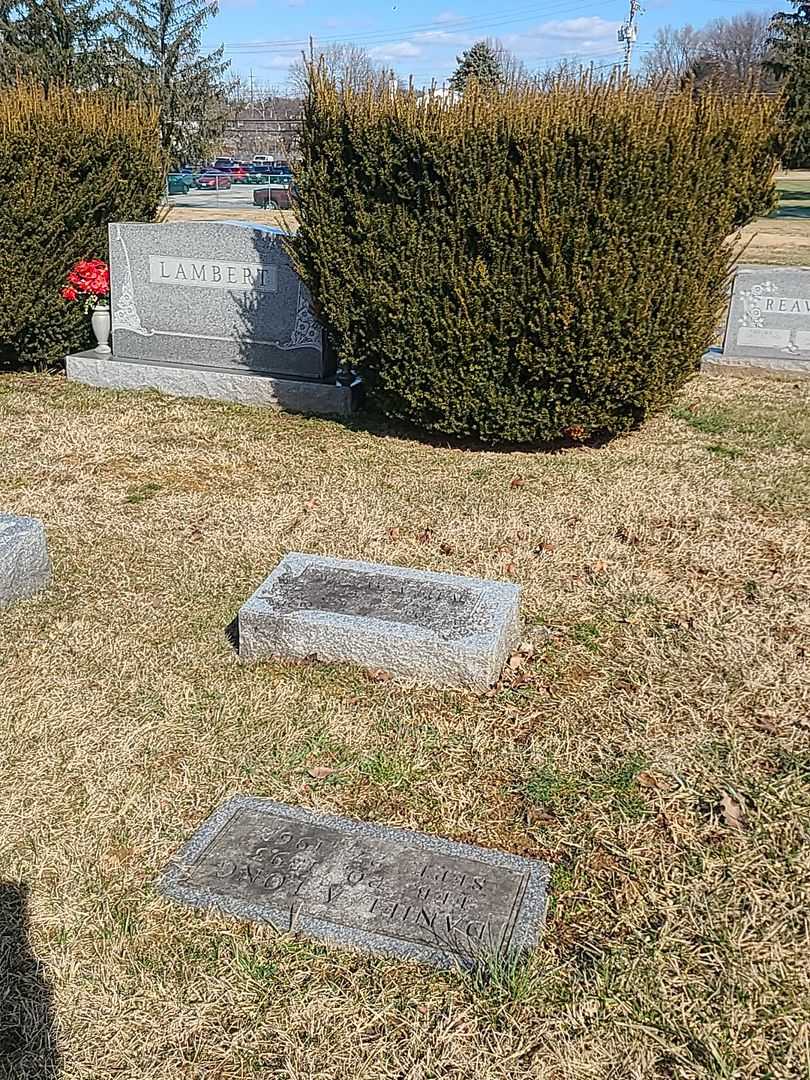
(28, 1048)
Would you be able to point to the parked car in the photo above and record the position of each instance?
(223, 163)
(239, 173)
(178, 184)
(262, 159)
(274, 197)
(216, 180)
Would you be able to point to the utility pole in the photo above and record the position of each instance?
(628, 32)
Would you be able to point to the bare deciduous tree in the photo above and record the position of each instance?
(349, 65)
(729, 51)
(674, 52)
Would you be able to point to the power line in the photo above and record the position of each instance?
(380, 37)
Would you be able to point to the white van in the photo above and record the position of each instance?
(262, 159)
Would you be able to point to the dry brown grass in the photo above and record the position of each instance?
(666, 579)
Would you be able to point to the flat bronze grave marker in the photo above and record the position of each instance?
(379, 889)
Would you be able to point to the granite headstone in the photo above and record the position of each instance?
(213, 294)
(770, 313)
(379, 889)
(768, 324)
(441, 629)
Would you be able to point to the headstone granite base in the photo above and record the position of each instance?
(439, 629)
(220, 384)
(715, 362)
(24, 564)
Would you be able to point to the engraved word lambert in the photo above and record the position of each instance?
(212, 275)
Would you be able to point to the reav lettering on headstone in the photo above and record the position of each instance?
(769, 315)
(377, 888)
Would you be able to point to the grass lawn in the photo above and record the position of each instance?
(654, 748)
(783, 238)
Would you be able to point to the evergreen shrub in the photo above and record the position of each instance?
(69, 163)
(524, 265)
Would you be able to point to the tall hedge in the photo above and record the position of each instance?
(69, 163)
(518, 266)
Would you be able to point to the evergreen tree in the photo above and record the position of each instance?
(66, 41)
(482, 63)
(789, 62)
(162, 41)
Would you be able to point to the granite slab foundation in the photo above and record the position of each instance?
(375, 888)
(25, 568)
(417, 625)
(219, 384)
(715, 362)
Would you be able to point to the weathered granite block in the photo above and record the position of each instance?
(376, 888)
(219, 384)
(440, 629)
(24, 564)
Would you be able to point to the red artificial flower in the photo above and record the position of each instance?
(69, 293)
(89, 276)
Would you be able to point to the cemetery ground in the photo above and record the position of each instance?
(649, 740)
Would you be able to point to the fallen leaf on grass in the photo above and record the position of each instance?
(509, 568)
(517, 482)
(599, 567)
(379, 675)
(626, 686)
(646, 779)
(447, 549)
(320, 772)
(394, 533)
(576, 432)
(424, 537)
(310, 504)
(543, 549)
(536, 815)
(733, 811)
(516, 661)
(766, 724)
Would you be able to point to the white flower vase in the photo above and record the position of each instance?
(102, 324)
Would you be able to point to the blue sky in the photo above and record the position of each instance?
(422, 37)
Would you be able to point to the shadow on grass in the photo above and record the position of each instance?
(231, 633)
(28, 1048)
(799, 195)
(790, 212)
(374, 423)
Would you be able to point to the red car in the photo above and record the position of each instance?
(238, 173)
(216, 180)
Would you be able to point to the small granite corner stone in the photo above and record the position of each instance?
(24, 564)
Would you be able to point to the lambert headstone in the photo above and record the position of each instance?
(768, 325)
(376, 888)
(214, 309)
(24, 564)
(440, 629)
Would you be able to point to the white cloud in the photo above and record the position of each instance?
(592, 27)
(397, 50)
(449, 17)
